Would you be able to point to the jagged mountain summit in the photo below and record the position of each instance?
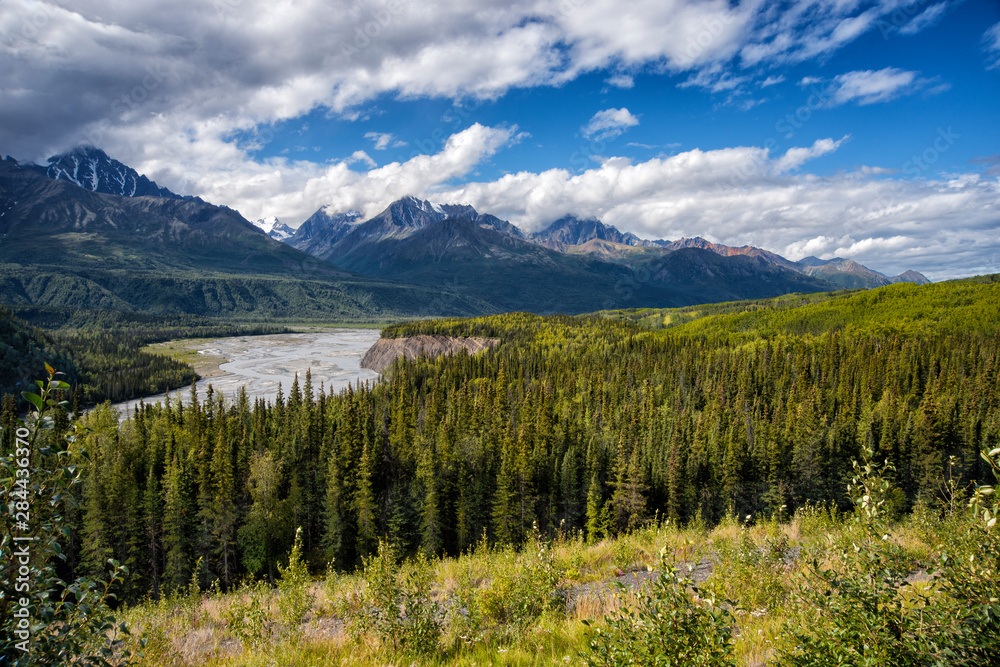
(274, 228)
(850, 274)
(328, 233)
(93, 169)
(570, 230)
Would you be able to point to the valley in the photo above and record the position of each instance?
(524, 333)
(529, 418)
(258, 365)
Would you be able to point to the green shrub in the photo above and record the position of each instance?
(866, 614)
(752, 576)
(522, 587)
(673, 624)
(69, 622)
(396, 605)
(247, 615)
(294, 598)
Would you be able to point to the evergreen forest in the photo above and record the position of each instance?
(596, 424)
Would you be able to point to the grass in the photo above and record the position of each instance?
(480, 599)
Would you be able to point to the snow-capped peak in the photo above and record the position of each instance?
(93, 169)
(274, 228)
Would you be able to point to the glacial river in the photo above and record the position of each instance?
(260, 363)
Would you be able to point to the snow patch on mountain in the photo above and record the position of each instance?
(274, 228)
(92, 169)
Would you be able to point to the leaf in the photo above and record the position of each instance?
(34, 399)
(50, 370)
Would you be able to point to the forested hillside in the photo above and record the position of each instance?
(591, 423)
(100, 351)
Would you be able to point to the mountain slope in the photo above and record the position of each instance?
(322, 229)
(63, 245)
(707, 276)
(729, 251)
(90, 229)
(508, 272)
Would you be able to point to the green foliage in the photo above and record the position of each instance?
(68, 620)
(247, 616)
(23, 350)
(672, 623)
(752, 575)
(101, 350)
(396, 605)
(866, 611)
(521, 587)
(294, 597)
(904, 308)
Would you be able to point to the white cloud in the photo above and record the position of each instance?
(991, 43)
(361, 156)
(232, 65)
(796, 157)
(297, 188)
(771, 81)
(621, 81)
(869, 87)
(925, 19)
(743, 195)
(184, 90)
(384, 140)
(608, 124)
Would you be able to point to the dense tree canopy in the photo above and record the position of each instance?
(595, 424)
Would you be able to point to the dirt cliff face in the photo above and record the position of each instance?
(387, 350)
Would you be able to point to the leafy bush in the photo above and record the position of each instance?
(396, 605)
(247, 615)
(866, 613)
(294, 598)
(751, 575)
(66, 622)
(671, 625)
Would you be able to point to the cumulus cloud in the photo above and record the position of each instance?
(608, 124)
(744, 195)
(295, 189)
(212, 70)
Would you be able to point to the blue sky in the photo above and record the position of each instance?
(952, 88)
(830, 127)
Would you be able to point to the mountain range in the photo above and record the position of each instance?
(65, 246)
(410, 234)
(88, 230)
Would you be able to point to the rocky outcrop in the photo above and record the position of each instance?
(386, 350)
